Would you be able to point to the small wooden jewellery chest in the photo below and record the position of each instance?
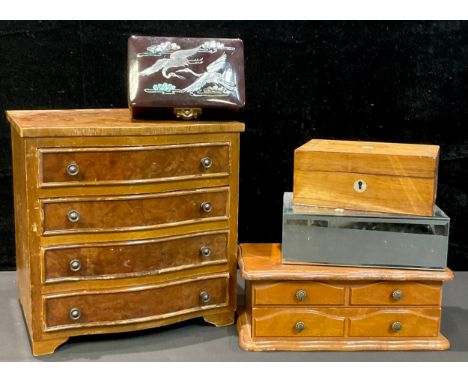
(367, 176)
(307, 307)
(122, 225)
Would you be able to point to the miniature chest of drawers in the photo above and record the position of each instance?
(122, 225)
(307, 307)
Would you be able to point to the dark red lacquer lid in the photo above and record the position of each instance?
(186, 74)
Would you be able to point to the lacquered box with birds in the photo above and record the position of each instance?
(185, 77)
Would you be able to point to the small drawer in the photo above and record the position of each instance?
(138, 304)
(105, 214)
(397, 293)
(298, 293)
(134, 258)
(417, 322)
(297, 322)
(78, 166)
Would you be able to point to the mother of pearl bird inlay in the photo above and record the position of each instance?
(218, 79)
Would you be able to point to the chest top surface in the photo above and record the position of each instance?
(106, 122)
(263, 262)
(397, 159)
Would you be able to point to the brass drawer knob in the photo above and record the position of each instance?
(206, 162)
(73, 216)
(75, 314)
(73, 169)
(397, 294)
(300, 326)
(205, 251)
(205, 296)
(396, 326)
(301, 295)
(206, 206)
(75, 265)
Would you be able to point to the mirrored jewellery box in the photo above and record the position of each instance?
(185, 77)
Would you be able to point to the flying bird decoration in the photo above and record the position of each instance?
(212, 76)
(176, 59)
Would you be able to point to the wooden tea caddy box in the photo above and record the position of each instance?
(307, 307)
(122, 225)
(367, 176)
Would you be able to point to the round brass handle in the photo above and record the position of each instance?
(205, 296)
(206, 162)
(206, 206)
(300, 326)
(301, 295)
(73, 216)
(75, 265)
(75, 313)
(205, 251)
(396, 326)
(397, 294)
(73, 169)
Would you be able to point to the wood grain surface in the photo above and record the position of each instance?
(397, 178)
(412, 293)
(145, 164)
(249, 343)
(139, 192)
(316, 293)
(384, 193)
(134, 258)
(309, 307)
(144, 303)
(134, 212)
(378, 158)
(262, 261)
(280, 322)
(106, 123)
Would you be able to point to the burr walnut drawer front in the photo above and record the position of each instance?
(297, 322)
(414, 322)
(139, 304)
(134, 258)
(136, 212)
(298, 293)
(396, 293)
(133, 164)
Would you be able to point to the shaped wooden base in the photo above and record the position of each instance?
(47, 346)
(220, 319)
(247, 342)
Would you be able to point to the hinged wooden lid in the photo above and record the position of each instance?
(399, 159)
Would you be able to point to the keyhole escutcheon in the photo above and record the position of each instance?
(360, 185)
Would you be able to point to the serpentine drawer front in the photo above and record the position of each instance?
(299, 293)
(300, 322)
(123, 225)
(134, 212)
(397, 293)
(145, 257)
(143, 303)
(315, 307)
(420, 322)
(133, 164)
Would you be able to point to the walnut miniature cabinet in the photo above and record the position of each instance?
(122, 225)
(308, 307)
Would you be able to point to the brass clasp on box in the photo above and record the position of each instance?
(187, 113)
